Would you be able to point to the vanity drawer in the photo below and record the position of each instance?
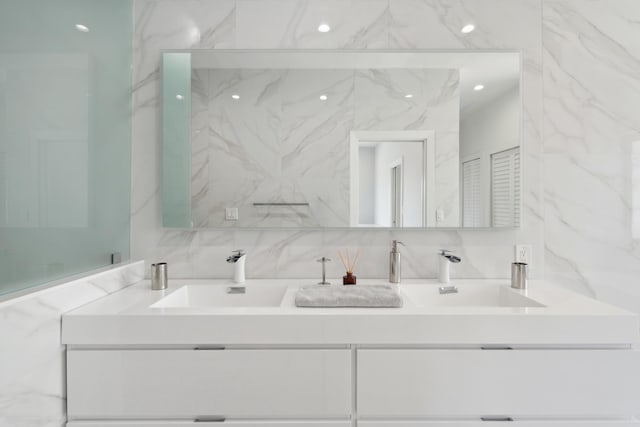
(157, 384)
(212, 424)
(472, 383)
(480, 423)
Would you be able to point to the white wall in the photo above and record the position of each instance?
(411, 154)
(488, 130)
(589, 102)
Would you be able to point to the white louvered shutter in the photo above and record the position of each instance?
(471, 200)
(505, 188)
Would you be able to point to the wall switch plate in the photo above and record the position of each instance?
(524, 253)
(231, 214)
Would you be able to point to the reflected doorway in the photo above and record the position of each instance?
(392, 179)
(396, 194)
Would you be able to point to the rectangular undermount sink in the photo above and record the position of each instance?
(223, 296)
(475, 295)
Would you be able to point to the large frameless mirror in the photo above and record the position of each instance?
(314, 139)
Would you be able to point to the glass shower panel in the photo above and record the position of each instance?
(65, 114)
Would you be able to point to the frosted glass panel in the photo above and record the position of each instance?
(176, 139)
(64, 137)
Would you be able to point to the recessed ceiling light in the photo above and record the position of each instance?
(409, 95)
(468, 28)
(179, 97)
(324, 28)
(82, 28)
(194, 35)
(235, 96)
(323, 97)
(478, 87)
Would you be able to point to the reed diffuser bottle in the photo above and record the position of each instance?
(349, 278)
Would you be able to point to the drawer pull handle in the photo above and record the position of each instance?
(210, 419)
(496, 347)
(494, 419)
(209, 347)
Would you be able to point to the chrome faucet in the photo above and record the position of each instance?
(446, 259)
(324, 261)
(238, 259)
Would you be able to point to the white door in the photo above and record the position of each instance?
(396, 195)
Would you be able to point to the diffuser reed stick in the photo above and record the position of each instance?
(343, 261)
(348, 265)
(355, 261)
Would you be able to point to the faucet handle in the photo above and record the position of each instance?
(323, 259)
(395, 243)
(446, 253)
(236, 255)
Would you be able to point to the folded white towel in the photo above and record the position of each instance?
(348, 296)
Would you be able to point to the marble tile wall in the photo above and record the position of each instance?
(357, 24)
(591, 134)
(32, 362)
(279, 143)
(581, 142)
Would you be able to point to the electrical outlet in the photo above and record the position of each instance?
(524, 253)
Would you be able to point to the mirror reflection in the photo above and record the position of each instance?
(341, 139)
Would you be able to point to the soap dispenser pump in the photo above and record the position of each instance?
(394, 263)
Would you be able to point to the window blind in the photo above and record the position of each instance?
(505, 188)
(471, 199)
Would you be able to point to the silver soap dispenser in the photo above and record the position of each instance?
(394, 263)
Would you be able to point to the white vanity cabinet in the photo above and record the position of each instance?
(538, 383)
(340, 387)
(573, 363)
(193, 384)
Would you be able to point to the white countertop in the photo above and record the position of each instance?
(567, 320)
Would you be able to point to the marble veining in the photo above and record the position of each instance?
(591, 100)
(32, 375)
(292, 24)
(280, 143)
